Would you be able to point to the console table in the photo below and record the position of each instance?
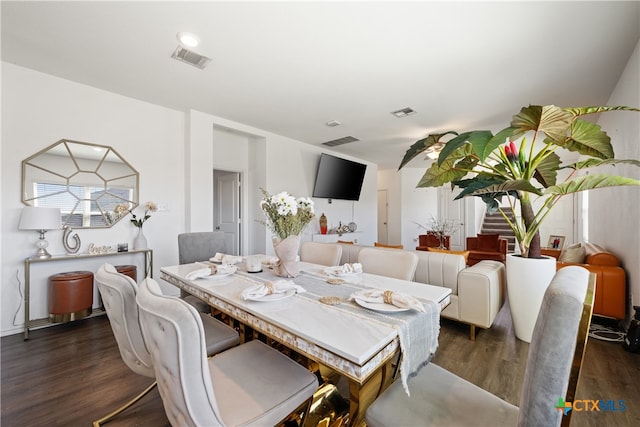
(31, 323)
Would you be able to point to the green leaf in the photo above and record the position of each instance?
(588, 139)
(508, 187)
(422, 145)
(581, 111)
(454, 168)
(472, 186)
(551, 120)
(491, 145)
(452, 145)
(590, 182)
(547, 171)
(590, 163)
(479, 141)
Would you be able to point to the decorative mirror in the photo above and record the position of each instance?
(86, 181)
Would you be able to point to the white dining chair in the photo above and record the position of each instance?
(394, 263)
(441, 398)
(119, 297)
(328, 254)
(251, 384)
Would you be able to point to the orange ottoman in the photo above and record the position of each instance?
(70, 296)
(128, 270)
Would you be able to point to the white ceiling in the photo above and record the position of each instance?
(289, 67)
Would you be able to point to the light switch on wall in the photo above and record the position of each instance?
(163, 207)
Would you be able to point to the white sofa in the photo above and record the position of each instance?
(477, 292)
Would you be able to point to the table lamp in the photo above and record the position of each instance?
(41, 220)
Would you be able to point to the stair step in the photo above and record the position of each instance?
(495, 223)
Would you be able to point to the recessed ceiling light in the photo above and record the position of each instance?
(403, 112)
(333, 123)
(188, 39)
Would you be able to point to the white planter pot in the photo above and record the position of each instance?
(527, 281)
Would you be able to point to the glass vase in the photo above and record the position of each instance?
(140, 241)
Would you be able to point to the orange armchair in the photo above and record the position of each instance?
(430, 240)
(486, 246)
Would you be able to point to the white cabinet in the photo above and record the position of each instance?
(332, 238)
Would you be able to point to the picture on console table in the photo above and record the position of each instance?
(556, 242)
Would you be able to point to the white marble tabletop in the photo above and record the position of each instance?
(346, 337)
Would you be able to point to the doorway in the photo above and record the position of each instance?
(226, 208)
(383, 213)
(454, 212)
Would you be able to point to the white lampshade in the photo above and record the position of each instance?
(34, 218)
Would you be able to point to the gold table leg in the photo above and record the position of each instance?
(361, 396)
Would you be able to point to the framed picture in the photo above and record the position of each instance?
(556, 242)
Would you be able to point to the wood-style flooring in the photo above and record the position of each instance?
(72, 374)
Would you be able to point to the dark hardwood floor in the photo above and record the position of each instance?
(72, 374)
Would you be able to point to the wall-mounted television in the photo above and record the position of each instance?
(338, 178)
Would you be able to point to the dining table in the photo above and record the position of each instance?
(356, 339)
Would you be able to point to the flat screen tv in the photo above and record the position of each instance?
(338, 178)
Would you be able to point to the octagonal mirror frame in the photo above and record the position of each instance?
(85, 181)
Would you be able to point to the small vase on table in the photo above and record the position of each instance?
(287, 252)
(140, 241)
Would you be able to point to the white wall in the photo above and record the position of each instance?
(38, 110)
(418, 205)
(613, 213)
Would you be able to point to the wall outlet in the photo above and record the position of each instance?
(163, 207)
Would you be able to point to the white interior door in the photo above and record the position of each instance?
(227, 208)
(453, 211)
(383, 220)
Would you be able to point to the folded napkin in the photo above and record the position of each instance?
(397, 299)
(347, 268)
(277, 287)
(211, 270)
(226, 259)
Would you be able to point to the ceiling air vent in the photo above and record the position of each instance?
(404, 112)
(190, 57)
(340, 141)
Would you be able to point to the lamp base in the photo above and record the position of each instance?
(42, 245)
(41, 254)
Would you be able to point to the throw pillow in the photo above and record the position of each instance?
(465, 254)
(574, 254)
(488, 242)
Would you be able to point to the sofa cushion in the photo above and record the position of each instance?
(488, 242)
(573, 254)
(465, 254)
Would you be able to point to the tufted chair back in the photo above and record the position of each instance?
(173, 329)
(119, 297)
(394, 263)
(200, 246)
(321, 253)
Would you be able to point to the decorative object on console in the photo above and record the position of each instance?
(41, 220)
(323, 224)
(556, 242)
(71, 249)
(140, 241)
(286, 217)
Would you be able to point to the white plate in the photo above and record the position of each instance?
(274, 297)
(337, 273)
(380, 306)
(216, 276)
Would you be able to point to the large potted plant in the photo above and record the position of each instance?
(520, 163)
